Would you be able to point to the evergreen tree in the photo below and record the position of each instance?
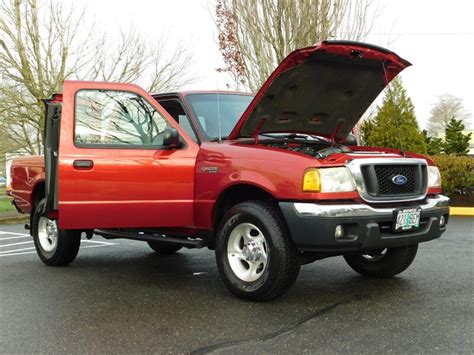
(456, 143)
(434, 146)
(396, 110)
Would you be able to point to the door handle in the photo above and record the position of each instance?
(83, 164)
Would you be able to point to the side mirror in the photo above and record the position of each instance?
(350, 140)
(171, 138)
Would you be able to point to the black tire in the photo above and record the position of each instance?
(282, 262)
(162, 248)
(65, 247)
(391, 263)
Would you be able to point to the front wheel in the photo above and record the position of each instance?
(255, 256)
(54, 246)
(383, 263)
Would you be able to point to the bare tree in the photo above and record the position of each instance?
(41, 45)
(35, 58)
(6, 145)
(254, 36)
(155, 65)
(446, 108)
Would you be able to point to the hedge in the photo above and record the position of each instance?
(457, 173)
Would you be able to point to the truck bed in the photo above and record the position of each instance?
(27, 178)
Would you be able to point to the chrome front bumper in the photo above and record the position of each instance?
(363, 210)
(312, 225)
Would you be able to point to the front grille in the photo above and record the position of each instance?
(379, 184)
(385, 174)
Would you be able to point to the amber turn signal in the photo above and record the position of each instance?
(311, 181)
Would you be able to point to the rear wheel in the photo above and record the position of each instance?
(54, 246)
(162, 248)
(383, 263)
(256, 258)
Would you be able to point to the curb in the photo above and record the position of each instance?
(461, 211)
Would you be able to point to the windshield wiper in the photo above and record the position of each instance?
(304, 136)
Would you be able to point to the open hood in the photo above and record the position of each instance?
(322, 90)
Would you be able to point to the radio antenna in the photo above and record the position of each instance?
(394, 116)
(219, 133)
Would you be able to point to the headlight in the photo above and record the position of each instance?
(328, 180)
(434, 177)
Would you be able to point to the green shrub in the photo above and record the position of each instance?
(457, 173)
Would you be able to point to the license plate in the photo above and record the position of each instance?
(406, 219)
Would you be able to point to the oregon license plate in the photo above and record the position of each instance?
(406, 219)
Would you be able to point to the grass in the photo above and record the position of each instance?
(5, 202)
(6, 205)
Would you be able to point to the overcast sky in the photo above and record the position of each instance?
(436, 36)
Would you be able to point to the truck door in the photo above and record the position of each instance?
(113, 170)
(51, 143)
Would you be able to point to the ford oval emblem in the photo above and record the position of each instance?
(399, 180)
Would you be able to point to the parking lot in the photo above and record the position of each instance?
(119, 296)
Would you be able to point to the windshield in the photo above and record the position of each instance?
(208, 107)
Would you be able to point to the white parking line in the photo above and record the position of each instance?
(5, 235)
(9, 245)
(17, 237)
(95, 241)
(13, 233)
(97, 246)
(13, 254)
(15, 250)
(22, 251)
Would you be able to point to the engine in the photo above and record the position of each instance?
(315, 150)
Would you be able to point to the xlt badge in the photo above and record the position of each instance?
(209, 169)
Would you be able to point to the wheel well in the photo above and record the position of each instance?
(38, 194)
(236, 194)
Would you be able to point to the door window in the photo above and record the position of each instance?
(107, 118)
(176, 110)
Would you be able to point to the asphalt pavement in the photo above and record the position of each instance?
(121, 297)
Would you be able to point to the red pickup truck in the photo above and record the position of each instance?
(270, 181)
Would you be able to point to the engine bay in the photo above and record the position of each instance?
(313, 149)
